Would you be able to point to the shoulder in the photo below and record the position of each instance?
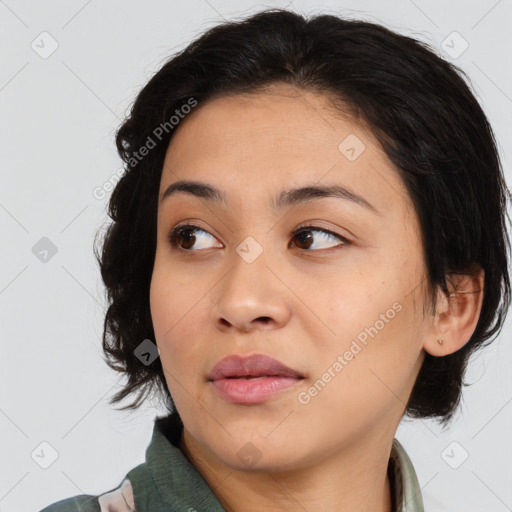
(82, 503)
(119, 499)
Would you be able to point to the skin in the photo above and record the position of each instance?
(331, 453)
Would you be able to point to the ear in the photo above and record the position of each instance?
(456, 315)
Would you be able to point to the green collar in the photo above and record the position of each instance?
(168, 479)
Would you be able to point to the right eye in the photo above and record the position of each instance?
(184, 237)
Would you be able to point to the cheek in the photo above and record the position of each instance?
(355, 385)
(174, 310)
(353, 304)
(373, 341)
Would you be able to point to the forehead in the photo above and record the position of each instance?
(277, 138)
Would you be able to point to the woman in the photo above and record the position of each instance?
(308, 242)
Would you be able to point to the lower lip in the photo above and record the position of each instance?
(252, 391)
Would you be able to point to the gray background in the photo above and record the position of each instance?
(59, 113)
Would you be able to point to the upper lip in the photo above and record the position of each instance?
(255, 365)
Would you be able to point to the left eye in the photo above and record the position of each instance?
(185, 236)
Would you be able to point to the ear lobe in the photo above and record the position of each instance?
(456, 314)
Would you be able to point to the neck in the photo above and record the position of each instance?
(351, 479)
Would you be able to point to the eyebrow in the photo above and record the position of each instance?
(283, 199)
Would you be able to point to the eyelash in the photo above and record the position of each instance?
(173, 235)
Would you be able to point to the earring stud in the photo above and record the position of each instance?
(440, 341)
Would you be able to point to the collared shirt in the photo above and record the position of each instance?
(167, 481)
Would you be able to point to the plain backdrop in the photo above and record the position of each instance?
(69, 71)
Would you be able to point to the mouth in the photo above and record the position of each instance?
(250, 390)
(246, 377)
(252, 380)
(251, 367)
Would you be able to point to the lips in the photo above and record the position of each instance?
(257, 365)
(252, 380)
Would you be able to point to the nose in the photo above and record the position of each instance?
(250, 297)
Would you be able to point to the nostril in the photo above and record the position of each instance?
(263, 319)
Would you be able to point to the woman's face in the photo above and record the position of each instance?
(345, 310)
